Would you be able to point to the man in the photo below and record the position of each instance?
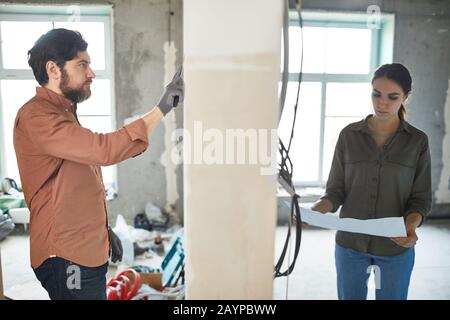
(59, 163)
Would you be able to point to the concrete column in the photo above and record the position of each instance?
(231, 71)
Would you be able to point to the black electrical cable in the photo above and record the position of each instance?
(285, 77)
(286, 166)
(300, 75)
(295, 211)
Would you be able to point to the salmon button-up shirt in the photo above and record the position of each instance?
(59, 164)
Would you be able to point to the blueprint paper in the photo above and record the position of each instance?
(384, 227)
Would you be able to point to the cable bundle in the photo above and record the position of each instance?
(286, 167)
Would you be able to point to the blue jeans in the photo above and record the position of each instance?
(391, 273)
(66, 280)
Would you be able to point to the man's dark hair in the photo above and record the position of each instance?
(58, 45)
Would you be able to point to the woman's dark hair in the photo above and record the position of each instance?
(398, 73)
(58, 45)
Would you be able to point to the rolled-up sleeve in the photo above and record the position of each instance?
(58, 136)
(335, 188)
(420, 199)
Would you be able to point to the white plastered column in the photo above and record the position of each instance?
(231, 71)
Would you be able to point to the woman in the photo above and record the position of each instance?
(381, 168)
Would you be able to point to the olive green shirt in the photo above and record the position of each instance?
(377, 182)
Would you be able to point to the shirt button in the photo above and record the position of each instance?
(373, 196)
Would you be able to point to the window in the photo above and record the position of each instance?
(340, 53)
(20, 27)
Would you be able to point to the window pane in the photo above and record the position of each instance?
(108, 177)
(330, 50)
(345, 103)
(99, 124)
(100, 101)
(333, 126)
(305, 146)
(314, 49)
(17, 38)
(347, 50)
(348, 99)
(94, 34)
(295, 49)
(14, 94)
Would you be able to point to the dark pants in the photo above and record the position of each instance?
(66, 280)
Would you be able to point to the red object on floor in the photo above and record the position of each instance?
(124, 286)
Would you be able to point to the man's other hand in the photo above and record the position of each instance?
(115, 246)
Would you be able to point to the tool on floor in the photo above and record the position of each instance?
(124, 286)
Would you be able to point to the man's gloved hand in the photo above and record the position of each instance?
(173, 93)
(115, 246)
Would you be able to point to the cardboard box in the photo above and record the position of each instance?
(153, 280)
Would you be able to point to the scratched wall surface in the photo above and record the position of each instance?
(141, 34)
(443, 192)
(423, 43)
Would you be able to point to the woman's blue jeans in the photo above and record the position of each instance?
(391, 273)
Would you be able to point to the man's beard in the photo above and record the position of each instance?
(75, 95)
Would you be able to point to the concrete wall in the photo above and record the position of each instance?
(422, 43)
(140, 30)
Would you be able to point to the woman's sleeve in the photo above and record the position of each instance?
(335, 188)
(420, 198)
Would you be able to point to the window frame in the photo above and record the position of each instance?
(381, 52)
(60, 14)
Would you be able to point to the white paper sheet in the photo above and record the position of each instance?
(384, 227)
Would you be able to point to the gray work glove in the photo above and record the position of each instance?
(173, 93)
(115, 246)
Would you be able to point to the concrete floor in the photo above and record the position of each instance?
(313, 277)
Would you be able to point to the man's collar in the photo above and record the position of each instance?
(55, 98)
